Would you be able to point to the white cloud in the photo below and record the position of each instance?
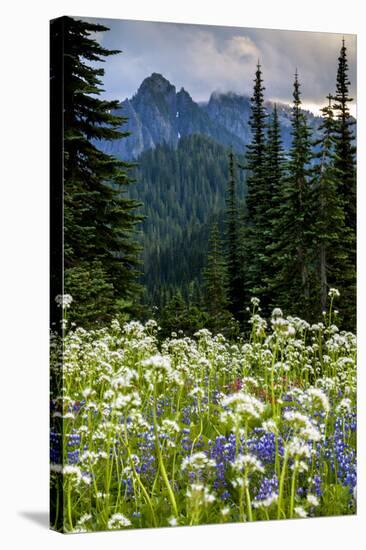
(205, 58)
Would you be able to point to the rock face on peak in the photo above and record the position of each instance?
(157, 83)
(158, 114)
(232, 111)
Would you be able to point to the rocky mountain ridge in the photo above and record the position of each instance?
(158, 113)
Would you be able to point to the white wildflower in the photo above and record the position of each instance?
(333, 292)
(312, 500)
(277, 312)
(300, 512)
(73, 472)
(247, 463)
(117, 521)
(197, 461)
(243, 405)
(270, 426)
(317, 395)
(266, 502)
(297, 448)
(84, 518)
(344, 406)
(63, 300)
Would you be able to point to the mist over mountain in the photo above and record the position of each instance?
(158, 114)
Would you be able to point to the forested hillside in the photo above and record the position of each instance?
(181, 190)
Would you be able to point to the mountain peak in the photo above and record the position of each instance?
(157, 83)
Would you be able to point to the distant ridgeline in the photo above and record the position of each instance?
(181, 149)
(159, 114)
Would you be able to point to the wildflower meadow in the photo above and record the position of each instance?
(154, 432)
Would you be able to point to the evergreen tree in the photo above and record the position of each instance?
(99, 221)
(330, 233)
(215, 283)
(257, 221)
(235, 293)
(345, 163)
(344, 147)
(275, 175)
(294, 251)
(180, 317)
(255, 151)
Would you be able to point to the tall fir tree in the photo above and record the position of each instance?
(216, 283)
(344, 147)
(274, 173)
(257, 221)
(345, 163)
(330, 233)
(232, 243)
(293, 268)
(101, 254)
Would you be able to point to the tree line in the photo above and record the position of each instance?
(291, 242)
(297, 238)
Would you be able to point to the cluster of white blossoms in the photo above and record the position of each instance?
(212, 405)
(241, 405)
(344, 406)
(247, 464)
(303, 426)
(270, 426)
(73, 473)
(300, 512)
(127, 402)
(266, 502)
(118, 521)
(197, 461)
(334, 293)
(317, 398)
(312, 500)
(156, 368)
(63, 300)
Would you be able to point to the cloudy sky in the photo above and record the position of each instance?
(204, 59)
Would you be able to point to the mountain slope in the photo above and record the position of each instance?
(180, 190)
(159, 114)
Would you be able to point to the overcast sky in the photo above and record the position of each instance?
(204, 59)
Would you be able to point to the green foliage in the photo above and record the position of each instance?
(215, 281)
(182, 191)
(181, 317)
(345, 164)
(275, 171)
(330, 236)
(336, 501)
(232, 242)
(344, 146)
(292, 259)
(288, 221)
(98, 220)
(257, 230)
